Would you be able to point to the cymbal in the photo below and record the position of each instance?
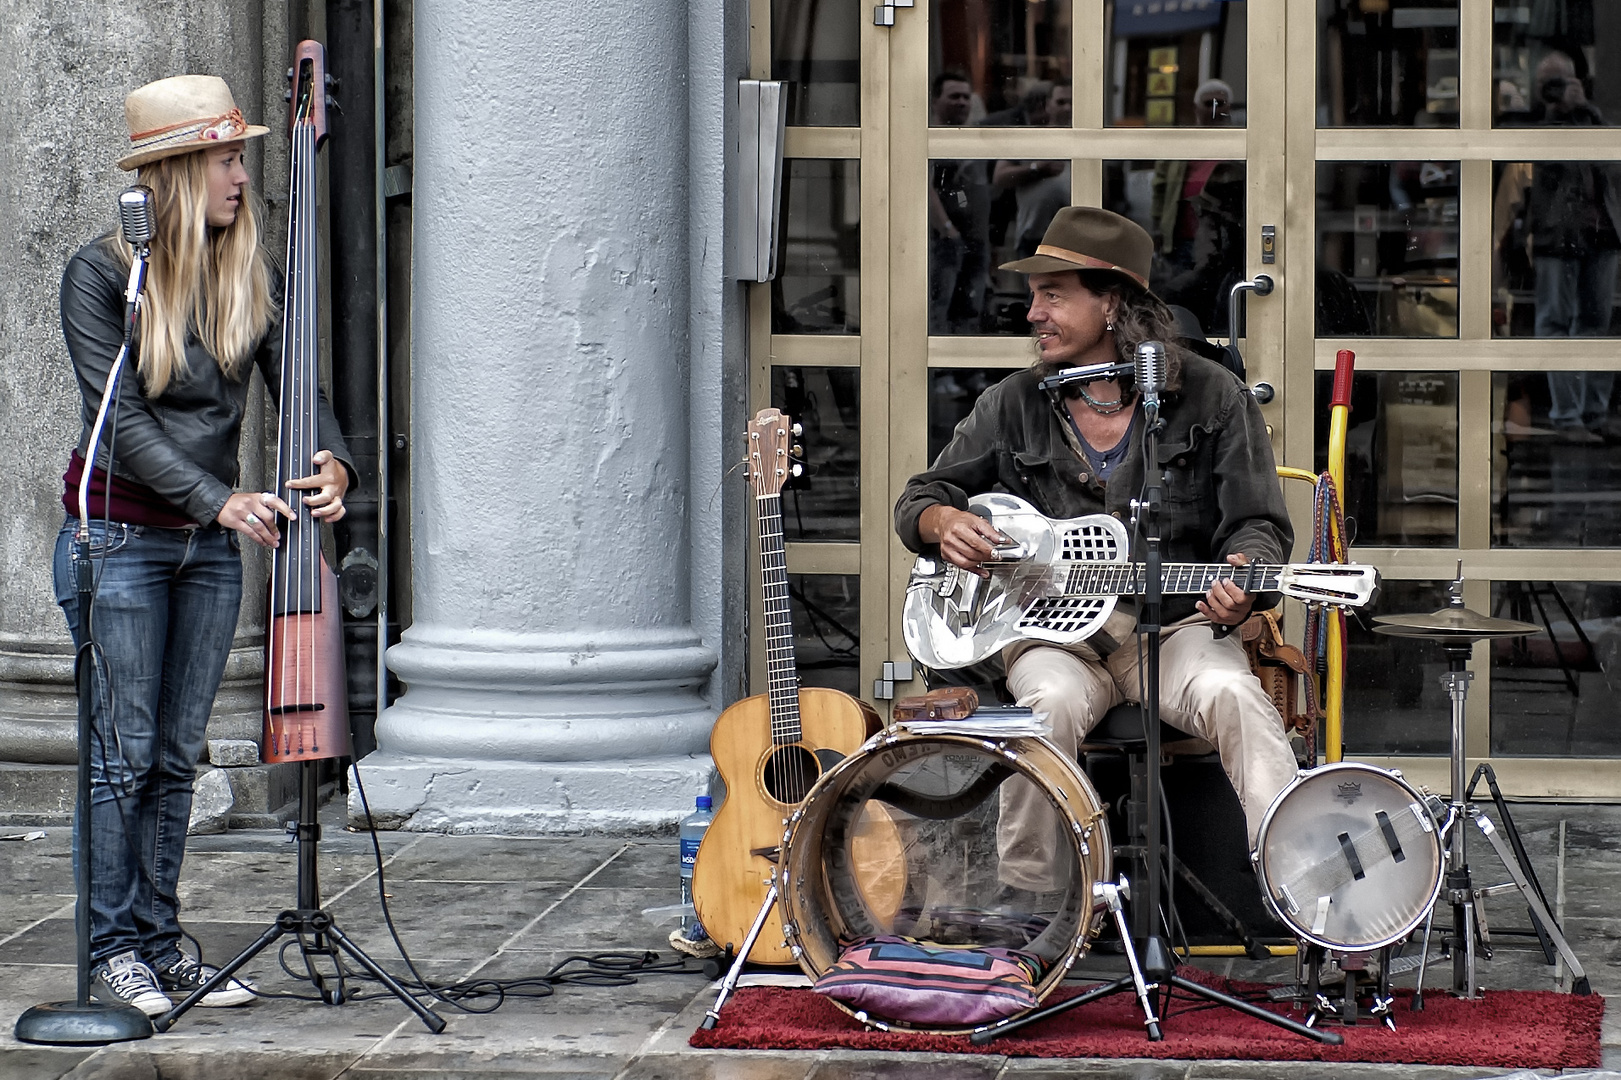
(1452, 624)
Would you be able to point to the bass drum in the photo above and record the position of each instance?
(1349, 857)
(902, 838)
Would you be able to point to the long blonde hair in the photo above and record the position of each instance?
(215, 282)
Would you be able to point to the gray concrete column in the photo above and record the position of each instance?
(57, 189)
(554, 676)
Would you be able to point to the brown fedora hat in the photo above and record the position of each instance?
(182, 114)
(1088, 238)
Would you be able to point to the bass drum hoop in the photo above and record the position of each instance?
(811, 882)
(1266, 844)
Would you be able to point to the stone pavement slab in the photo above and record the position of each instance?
(511, 908)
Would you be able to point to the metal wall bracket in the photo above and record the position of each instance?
(884, 14)
(761, 123)
(883, 687)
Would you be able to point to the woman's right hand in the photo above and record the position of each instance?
(253, 514)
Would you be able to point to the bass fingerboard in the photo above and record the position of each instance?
(781, 670)
(1128, 579)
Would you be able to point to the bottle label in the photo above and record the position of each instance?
(689, 852)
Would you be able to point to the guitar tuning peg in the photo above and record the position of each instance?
(797, 429)
(288, 96)
(796, 469)
(797, 451)
(290, 73)
(332, 81)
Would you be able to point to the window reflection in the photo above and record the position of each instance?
(995, 63)
(1553, 692)
(818, 289)
(981, 215)
(1177, 64)
(1549, 59)
(1401, 456)
(952, 393)
(1387, 249)
(1556, 238)
(826, 612)
(1394, 701)
(816, 48)
(825, 502)
(1390, 63)
(1556, 482)
(1194, 210)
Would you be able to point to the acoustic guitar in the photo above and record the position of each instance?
(771, 748)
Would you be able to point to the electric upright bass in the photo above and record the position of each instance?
(306, 708)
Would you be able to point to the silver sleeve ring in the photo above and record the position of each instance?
(254, 518)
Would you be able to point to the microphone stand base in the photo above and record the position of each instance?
(68, 1023)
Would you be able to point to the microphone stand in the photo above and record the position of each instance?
(1158, 961)
(83, 1022)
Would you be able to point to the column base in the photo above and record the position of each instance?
(625, 796)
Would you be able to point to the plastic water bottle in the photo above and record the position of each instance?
(693, 827)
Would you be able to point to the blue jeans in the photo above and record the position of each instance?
(1574, 299)
(164, 615)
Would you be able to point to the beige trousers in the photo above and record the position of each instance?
(1206, 689)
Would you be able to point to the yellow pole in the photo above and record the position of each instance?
(1339, 418)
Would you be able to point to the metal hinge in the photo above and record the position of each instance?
(884, 14)
(883, 687)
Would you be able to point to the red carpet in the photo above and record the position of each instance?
(1509, 1029)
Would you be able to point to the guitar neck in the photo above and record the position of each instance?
(1129, 579)
(783, 674)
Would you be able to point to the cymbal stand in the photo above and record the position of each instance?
(1469, 933)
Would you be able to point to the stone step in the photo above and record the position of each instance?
(265, 795)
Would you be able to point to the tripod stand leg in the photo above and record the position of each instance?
(712, 1017)
(1423, 964)
(1580, 985)
(435, 1023)
(1331, 1038)
(1111, 895)
(266, 939)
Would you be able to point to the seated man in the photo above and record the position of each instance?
(1081, 453)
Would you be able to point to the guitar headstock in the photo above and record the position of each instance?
(1339, 584)
(771, 452)
(309, 88)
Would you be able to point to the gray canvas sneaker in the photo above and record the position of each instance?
(180, 975)
(126, 980)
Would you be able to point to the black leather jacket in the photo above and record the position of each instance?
(184, 444)
(1222, 494)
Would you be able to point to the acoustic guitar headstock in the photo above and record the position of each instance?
(772, 453)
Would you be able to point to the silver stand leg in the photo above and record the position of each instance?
(1110, 895)
(712, 1017)
(1423, 963)
(1530, 894)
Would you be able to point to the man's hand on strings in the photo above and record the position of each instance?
(326, 487)
(965, 538)
(1226, 604)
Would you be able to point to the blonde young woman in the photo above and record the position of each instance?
(167, 524)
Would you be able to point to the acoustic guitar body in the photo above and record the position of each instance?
(765, 781)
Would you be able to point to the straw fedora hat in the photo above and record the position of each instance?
(181, 114)
(1087, 238)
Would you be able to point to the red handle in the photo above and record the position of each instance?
(1344, 368)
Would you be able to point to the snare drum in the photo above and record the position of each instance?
(901, 838)
(1349, 857)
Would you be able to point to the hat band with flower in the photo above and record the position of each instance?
(221, 128)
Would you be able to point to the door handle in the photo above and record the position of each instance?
(1260, 285)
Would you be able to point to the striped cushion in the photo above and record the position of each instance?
(929, 985)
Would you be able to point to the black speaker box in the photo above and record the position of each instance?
(1207, 836)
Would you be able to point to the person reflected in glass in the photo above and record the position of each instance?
(1197, 212)
(959, 219)
(1040, 187)
(1570, 214)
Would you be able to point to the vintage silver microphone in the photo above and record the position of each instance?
(1151, 377)
(137, 223)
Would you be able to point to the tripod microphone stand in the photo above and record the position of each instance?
(324, 938)
(1158, 961)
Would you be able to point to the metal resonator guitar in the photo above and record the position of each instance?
(1058, 581)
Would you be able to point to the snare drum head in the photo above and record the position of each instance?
(902, 838)
(1350, 857)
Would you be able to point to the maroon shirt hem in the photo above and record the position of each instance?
(129, 502)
